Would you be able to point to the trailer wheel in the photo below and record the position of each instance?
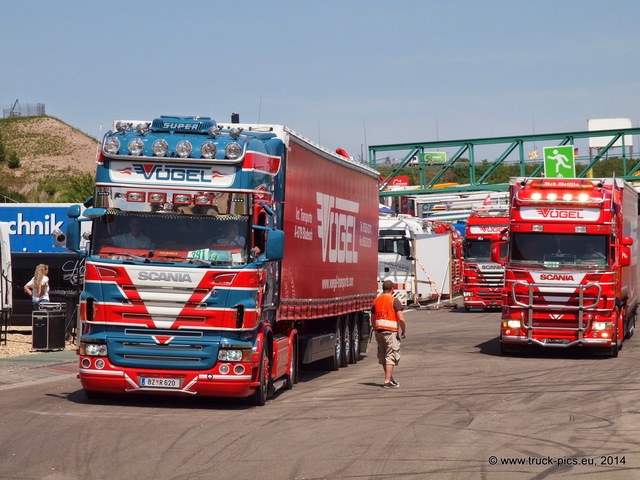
(345, 357)
(632, 325)
(355, 341)
(260, 395)
(292, 376)
(333, 362)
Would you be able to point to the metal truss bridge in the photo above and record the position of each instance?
(512, 149)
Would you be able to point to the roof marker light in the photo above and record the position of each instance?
(208, 150)
(233, 150)
(111, 145)
(135, 146)
(160, 148)
(184, 148)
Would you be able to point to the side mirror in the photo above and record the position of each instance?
(72, 242)
(495, 252)
(274, 248)
(625, 255)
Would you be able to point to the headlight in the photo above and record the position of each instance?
(111, 145)
(233, 150)
(599, 326)
(160, 148)
(513, 323)
(136, 146)
(208, 150)
(230, 355)
(184, 149)
(234, 355)
(95, 349)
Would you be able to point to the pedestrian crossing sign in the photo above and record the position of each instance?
(559, 162)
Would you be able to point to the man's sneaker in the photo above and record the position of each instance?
(393, 381)
(391, 384)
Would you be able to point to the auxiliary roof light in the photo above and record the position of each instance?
(135, 146)
(235, 132)
(203, 199)
(233, 150)
(121, 126)
(181, 199)
(208, 150)
(142, 128)
(567, 197)
(157, 197)
(552, 196)
(536, 196)
(583, 197)
(214, 131)
(112, 145)
(135, 196)
(160, 148)
(184, 148)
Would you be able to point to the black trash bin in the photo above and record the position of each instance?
(69, 298)
(48, 327)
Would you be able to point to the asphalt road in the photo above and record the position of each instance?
(462, 411)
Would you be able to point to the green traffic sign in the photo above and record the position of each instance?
(435, 157)
(559, 162)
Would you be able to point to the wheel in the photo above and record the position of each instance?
(355, 342)
(292, 376)
(260, 395)
(333, 362)
(346, 343)
(615, 348)
(632, 326)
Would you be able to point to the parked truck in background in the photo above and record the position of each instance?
(6, 281)
(422, 258)
(571, 267)
(195, 311)
(483, 279)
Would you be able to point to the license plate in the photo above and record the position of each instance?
(555, 341)
(156, 382)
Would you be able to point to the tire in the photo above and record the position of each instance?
(632, 326)
(292, 376)
(333, 362)
(355, 341)
(259, 397)
(345, 356)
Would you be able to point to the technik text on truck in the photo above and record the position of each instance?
(571, 267)
(260, 256)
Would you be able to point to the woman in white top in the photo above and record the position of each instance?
(38, 286)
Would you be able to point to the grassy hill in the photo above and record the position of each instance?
(52, 157)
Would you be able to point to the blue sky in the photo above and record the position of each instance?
(344, 73)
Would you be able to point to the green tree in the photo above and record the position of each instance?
(77, 189)
(14, 160)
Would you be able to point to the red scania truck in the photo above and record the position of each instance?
(483, 279)
(571, 267)
(258, 253)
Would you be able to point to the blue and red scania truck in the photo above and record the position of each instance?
(190, 310)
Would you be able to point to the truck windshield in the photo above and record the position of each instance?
(558, 250)
(162, 237)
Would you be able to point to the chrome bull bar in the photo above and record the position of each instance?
(549, 288)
